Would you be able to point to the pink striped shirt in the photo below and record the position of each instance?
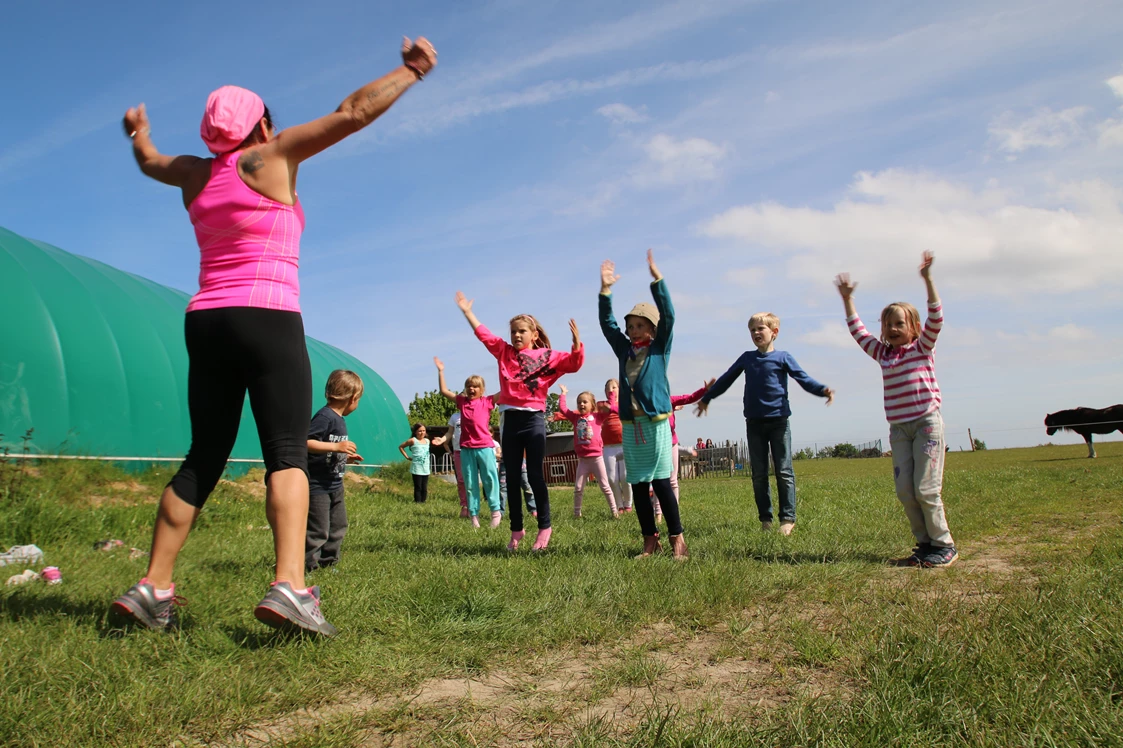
(908, 372)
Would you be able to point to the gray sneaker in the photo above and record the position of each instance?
(293, 612)
(940, 556)
(139, 605)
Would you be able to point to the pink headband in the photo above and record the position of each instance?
(231, 114)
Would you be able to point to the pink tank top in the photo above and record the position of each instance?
(249, 244)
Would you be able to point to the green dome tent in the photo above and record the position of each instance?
(93, 359)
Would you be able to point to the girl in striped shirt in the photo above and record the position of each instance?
(912, 405)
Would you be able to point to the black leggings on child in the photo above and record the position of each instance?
(525, 431)
(420, 488)
(645, 511)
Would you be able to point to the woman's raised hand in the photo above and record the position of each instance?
(419, 56)
(136, 120)
(576, 334)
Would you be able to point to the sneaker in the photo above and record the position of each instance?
(516, 536)
(476, 522)
(463, 512)
(786, 528)
(577, 514)
(288, 610)
(140, 605)
(496, 518)
(940, 556)
(543, 540)
(766, 527)
(625, 509)
(915, 558)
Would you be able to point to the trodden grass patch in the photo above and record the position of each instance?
(446, 639)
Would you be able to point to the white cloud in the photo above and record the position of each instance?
(1043, 129)
(622, 114)
(832, 333)
(1111, 130)
(746, 277)
(671, 161)
(988, 239)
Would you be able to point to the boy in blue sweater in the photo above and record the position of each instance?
(766, 415)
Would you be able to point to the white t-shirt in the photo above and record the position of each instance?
(454, 422)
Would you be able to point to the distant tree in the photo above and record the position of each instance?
(980, 445)
(553, 426)
(431, 408)
(845, 449)
(807, 453)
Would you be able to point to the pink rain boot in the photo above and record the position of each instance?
(542, 540)
(516, 536)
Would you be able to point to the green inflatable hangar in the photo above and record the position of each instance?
(93, 359)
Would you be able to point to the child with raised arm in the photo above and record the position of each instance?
(454, 445)
(527, 368)
(906, 354)
(766, 415)
(612, 432)
(645, 402)
(477, 448)
(329, 451)
(589, 447)
(678, 402)
(418, 456)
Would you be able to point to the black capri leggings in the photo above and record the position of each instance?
(420, 488)
(525, 431)
(231, 351)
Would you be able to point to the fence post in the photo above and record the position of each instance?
(971, 439)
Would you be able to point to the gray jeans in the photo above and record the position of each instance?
(918, 471)
(327, 524)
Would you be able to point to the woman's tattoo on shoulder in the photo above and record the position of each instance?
(251, 162)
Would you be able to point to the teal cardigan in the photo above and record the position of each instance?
(653, 391)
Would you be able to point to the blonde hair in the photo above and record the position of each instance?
(770, 320)
(612, 381)
(344, 385)
(912, 319)
(592, 398)
(543, 339)
(477, 380)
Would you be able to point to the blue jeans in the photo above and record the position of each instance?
(775, 435)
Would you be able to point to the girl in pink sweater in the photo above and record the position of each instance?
(587, 421)
(527, 368)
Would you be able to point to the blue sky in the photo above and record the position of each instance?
(758, 147)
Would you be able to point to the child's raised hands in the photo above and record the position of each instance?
(463, 302)
(651, 266)
(564, 390)
(845, 285)
(439, 363)
(608, 275)
(576, 335)
(926, 260)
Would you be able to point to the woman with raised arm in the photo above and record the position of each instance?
(243, 328)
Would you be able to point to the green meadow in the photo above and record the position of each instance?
(447, 639)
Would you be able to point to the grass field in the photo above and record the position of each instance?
(448, 640)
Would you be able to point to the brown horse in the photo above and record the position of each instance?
(1086, 421)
